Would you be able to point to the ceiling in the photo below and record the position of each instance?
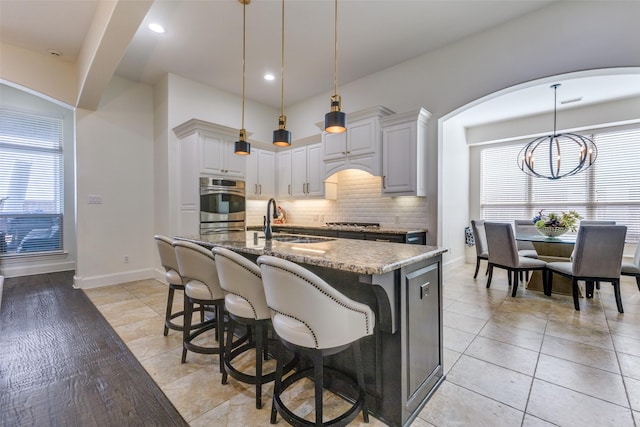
(203, 41)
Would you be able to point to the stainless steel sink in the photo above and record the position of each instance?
(292, 238)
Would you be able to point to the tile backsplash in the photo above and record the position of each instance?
(359, 200)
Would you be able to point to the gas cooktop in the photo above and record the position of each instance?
(351, 225)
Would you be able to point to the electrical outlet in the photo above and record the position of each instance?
(126, 259)
(94, 199)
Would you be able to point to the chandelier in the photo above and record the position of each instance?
(559, 154)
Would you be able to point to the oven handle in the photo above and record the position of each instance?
(209, 191)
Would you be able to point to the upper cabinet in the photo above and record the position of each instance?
(358, 147)
(307, 171)
(261, 174)
(283, 174)
(218, 157)
(404, 153)
(214, 145)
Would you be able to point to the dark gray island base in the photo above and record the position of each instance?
(403, 285)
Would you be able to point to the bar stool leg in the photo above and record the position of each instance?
(188, 312)
(167, 316)
(259, 355)
(278, 381)
(318, 373)
(357, 355)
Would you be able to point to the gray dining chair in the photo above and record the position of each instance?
(503, 253)
(597, 257)
(482, 253)
(525, 248)
(633, 268)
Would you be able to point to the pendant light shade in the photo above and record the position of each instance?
(335, 121)
(241, 146)
(281, 136)
(557, 155)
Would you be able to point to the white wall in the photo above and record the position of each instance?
(454, 199)
(115, 154)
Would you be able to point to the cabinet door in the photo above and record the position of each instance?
(362, 137)
(334, 145)
(212, 154)
(398, 158)
(315, 171)
(283, 162)
(423, 326)
(266, 173)
(299, 172)
(251, 177)
(235, 165)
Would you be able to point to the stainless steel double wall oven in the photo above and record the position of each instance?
(222, 205)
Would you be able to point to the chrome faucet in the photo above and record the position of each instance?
(268, 235)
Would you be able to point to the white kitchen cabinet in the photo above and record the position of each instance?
(218, 157)
(283, 174)
(358, 147)
(261, 174)
(307, 171)
(204, 149)
(404, 153)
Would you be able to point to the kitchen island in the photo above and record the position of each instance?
(402, 284)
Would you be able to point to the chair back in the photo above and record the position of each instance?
(242, 280)
(502, 244)
(198, 264)
(590, 222)
(479, 235)
(598, 251)
(168, 259)
(527, 227)
(308, 311)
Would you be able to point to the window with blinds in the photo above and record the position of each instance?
(608, 190)
(31, 182)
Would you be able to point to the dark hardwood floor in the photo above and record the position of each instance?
(61, 363)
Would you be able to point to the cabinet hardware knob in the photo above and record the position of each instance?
(384, 183)
(259, 188)
(289, 189)
(255, 188)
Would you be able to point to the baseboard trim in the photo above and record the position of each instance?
(112, 279)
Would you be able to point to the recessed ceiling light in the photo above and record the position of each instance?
(269, 77)
(156, 28)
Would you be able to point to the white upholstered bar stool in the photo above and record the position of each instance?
(170, 263)
(246, 304)
(315, 320)
(198, 268)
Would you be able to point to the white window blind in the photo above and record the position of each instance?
(31, 182)
(608, 190)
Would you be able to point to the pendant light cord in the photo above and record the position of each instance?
(282, 66)
(555, 106)
(244, 37)
(335, 54)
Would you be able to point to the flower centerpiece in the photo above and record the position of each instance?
(553, 224)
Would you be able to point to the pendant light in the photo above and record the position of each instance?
(567, 153)
(281, 136)
(335, 121)
(241, 146)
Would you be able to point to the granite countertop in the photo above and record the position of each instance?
(356, 256)
(381, 229)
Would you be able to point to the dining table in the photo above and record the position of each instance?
(550, 249)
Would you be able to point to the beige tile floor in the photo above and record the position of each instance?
(525, 361)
